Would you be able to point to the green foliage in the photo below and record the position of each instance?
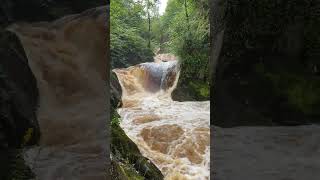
(128, 31)
(28, 135)
(185, 33)
(188, 37)
(115, 118)
(174, 32)
(122, 171)
(202, 88)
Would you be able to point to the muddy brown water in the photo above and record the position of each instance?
(175, 136)
(69, 60)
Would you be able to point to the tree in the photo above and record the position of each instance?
(128, 33)
(187, 16)
(152, 11)
(149, 23)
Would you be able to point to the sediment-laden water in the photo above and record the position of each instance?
(69, 60)
(175, 136)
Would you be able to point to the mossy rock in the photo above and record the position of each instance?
(121, 171)
(115, 90)
(128, 160)
(19, 100)
(191, 90)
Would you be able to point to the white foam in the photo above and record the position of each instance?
(192, 118)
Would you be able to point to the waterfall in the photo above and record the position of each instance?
(175, 136)
(69, 60)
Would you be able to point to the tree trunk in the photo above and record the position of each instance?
(187, 15)
(149, 23)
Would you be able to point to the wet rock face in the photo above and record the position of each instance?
(262, 75)
(43, 10)
(18, 101)
(19, 92)
(115, 90)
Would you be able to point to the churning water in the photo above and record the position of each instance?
(69, 60)
(175, 136)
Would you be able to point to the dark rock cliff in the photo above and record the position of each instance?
(18, 102)
(266, 59)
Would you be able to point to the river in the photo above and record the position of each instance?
(69, 60)
(174, 135)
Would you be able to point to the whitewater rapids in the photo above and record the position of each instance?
(175, 136)
(69, 60)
